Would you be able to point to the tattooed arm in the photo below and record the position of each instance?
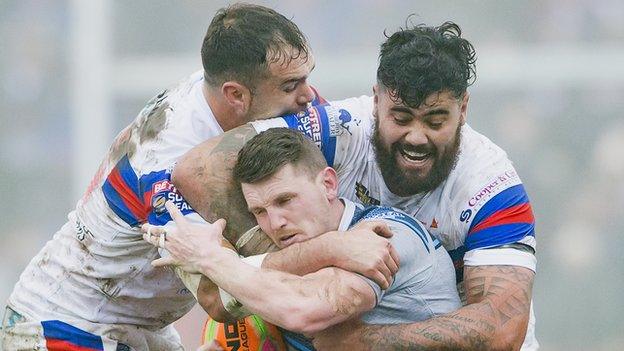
(204, 178)
(495, 318)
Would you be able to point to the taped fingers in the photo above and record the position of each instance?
(161, 239)
(154, 235)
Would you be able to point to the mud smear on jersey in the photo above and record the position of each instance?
(123, 145)
(154, 122)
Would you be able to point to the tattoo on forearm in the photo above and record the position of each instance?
(499, 299)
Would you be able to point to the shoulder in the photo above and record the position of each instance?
(410, 236)
(483, 170)
(487, 196)
(387, 214)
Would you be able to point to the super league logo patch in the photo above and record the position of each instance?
(158, 203)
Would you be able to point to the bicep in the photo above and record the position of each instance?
(204, 178)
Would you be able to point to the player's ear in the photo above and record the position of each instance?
(463, 109)
(237, 96)
(375, 99)
(330, 182)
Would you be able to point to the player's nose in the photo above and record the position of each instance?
(276, 220)
(416, 136)
(306, 94)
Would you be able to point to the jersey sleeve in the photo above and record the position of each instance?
(140, 199)
(339, 128)
(141, 161)
(414, 245)
(501, 215)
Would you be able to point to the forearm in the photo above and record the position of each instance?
(496, 317)
(302, 258)
(302, 304)
(472, 327)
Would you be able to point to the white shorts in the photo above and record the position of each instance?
(21, 333)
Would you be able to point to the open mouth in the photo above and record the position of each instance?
(288, 240)
(414, 155)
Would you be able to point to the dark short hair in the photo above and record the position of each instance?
(243, 39)
(266, 153)
(418, 61)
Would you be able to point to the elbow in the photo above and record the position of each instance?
(509, 340)
(304, 320)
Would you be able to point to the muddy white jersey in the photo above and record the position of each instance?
(97, 267)
(476, 212)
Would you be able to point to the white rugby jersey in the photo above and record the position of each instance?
(481, 206)
(97, 267)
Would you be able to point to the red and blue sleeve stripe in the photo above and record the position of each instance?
(123, 195)
(504, 219)
(61, 336)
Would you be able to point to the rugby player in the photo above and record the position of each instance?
(409, 147)
(292, 193)
(92, 286)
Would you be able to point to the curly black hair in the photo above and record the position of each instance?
(418, 61)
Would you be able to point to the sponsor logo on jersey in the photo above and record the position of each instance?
(164, 191)
(363, 194)
(499, 183)
(158, 203)
(163, 185)
(178, 200)
(310, 124)
(339, 120)
(336, 119)
(236, 335)
(465, 215)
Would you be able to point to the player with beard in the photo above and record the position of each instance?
(409, 146)
(405, 181)
(293, 195)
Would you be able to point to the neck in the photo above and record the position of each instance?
(223, 112)
(336, 210)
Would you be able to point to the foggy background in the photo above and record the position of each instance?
(550, 82)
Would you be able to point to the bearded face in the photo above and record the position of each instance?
(416, 149)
